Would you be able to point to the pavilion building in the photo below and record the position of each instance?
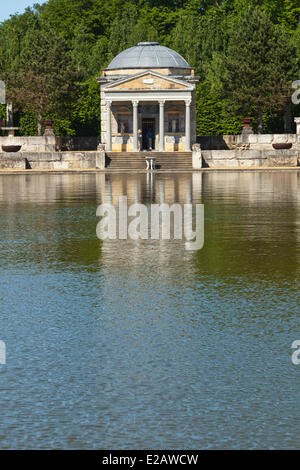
(148, 90)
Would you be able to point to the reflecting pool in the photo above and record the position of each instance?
(123, 344)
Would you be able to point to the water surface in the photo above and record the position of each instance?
(143, 344)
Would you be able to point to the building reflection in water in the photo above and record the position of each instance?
(244, 212)
(145, 189)
(252, 187)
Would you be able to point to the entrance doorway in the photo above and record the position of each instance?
(148, 129)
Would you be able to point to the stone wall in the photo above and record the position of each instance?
(52, 143)
(201, 158)
(31, 144)
(16, 162)
(245, 158)
(77, 143)
(53, 160)
(255, 141)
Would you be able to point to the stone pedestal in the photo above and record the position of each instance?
(49, 131)
(12, 162)
(100, 160)
(247, 129)
(197, 157)
(282, 158)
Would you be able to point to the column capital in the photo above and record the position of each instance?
(135, 102)
(188, 102)
(108, 103)
(161, 102)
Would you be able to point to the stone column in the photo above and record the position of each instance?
(188, 125)
(108, 125)
(161, 126)
(135, 125)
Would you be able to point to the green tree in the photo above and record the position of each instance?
(46, 76)
(259, 62)
(86, 108)
(245, 66)
(291, 15)
(187, 39)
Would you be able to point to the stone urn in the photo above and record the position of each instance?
(247, 129)
(11, 148)
(48, 123)
(282, 146)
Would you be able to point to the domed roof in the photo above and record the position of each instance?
(148, 55)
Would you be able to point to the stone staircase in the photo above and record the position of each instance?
(180, 161)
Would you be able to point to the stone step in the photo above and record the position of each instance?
(165, 159)
(163, 156)
(143, 161)
(136, 160)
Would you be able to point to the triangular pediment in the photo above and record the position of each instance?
(149, 81)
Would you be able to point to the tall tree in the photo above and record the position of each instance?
(291, 14)
(259, 62)
(44, 81)
(46, 39)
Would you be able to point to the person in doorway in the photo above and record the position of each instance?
(149, 139)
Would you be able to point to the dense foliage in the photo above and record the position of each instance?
(246, 54)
